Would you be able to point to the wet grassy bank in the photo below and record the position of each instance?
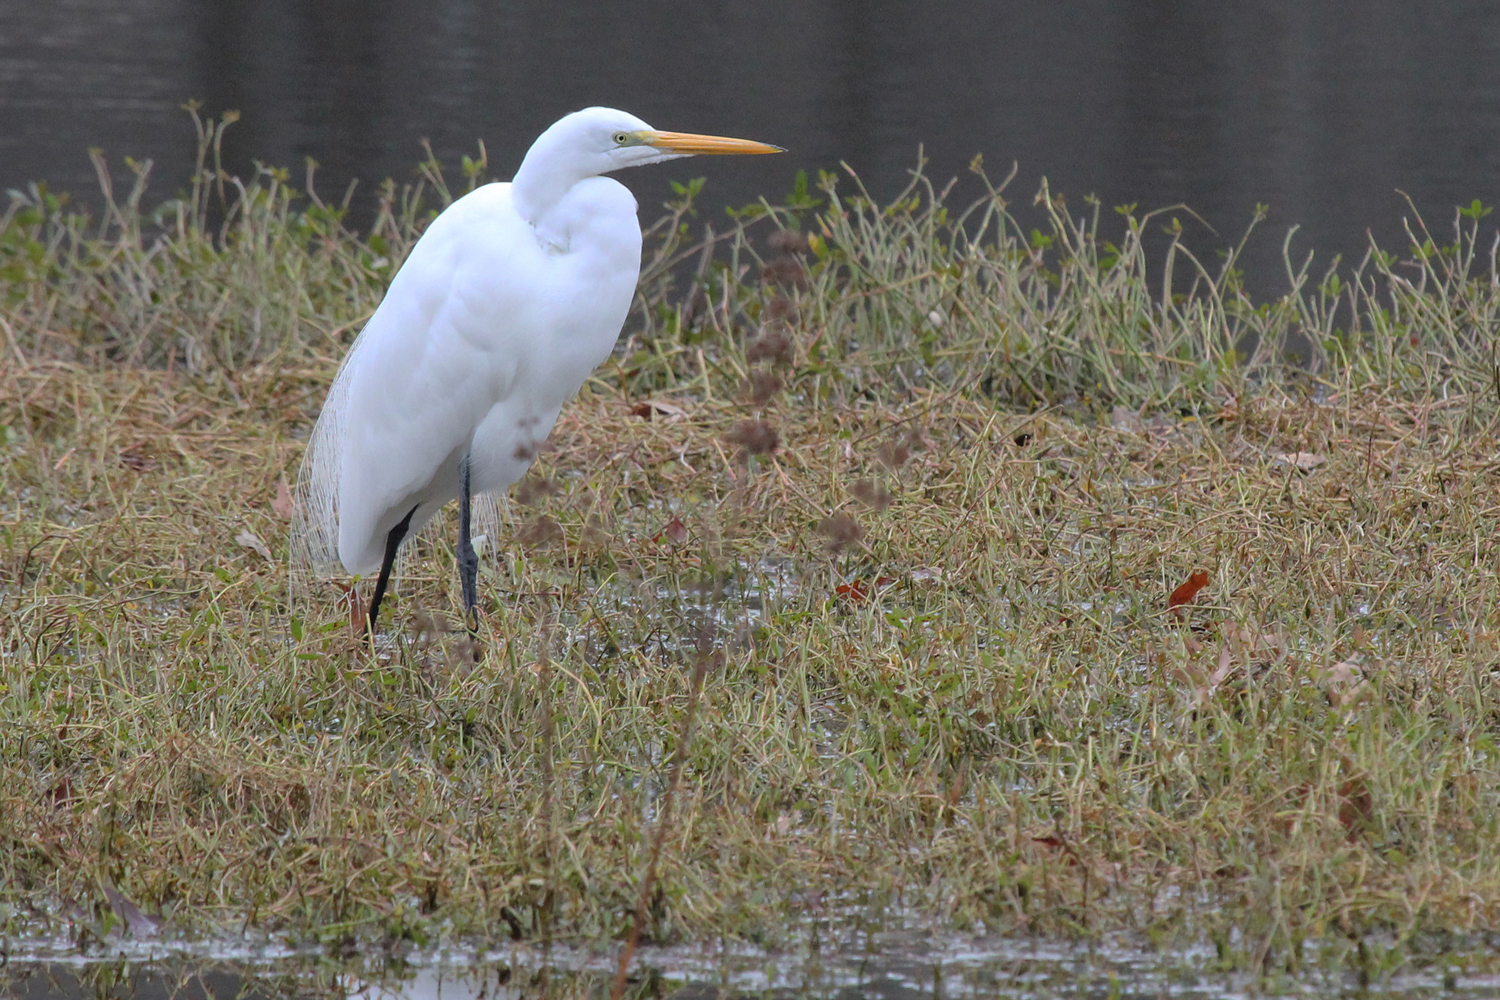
(911, 492)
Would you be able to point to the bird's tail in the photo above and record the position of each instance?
(314, 543)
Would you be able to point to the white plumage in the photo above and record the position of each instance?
(509, 299)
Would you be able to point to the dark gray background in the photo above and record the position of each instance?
(1321, 109)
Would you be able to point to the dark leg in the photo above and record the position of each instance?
(468, 561)
(392, 543)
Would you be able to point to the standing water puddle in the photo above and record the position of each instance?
(895, 966)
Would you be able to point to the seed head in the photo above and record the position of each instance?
(595, 532)
(871, 494)
(542, 532)
(429, 626)
(788, 241)
(785, 271)
(840, 531)
(772, 345)
(755, 437)
(534, 489)
(779, 310)
(894, 454)
(761, 387)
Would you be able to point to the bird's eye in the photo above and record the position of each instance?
(621, 138)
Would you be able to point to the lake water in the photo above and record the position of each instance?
(891, 966)
(1321, 110)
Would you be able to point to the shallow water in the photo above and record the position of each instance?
(896, 966)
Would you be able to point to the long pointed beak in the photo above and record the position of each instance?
(711, 145)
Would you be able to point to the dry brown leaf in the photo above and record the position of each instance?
(1206, 681)
(1188, 589)
(675, 532)
(354, 604)
(648, 408)
(1304, 461)
(140, 923)
(1251, 644)
(282, 504)
(251, 540)
(1344, 683)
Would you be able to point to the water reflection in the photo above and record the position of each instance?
(1317, 110)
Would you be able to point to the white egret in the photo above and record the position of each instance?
(506, 303)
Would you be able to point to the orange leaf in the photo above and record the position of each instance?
(1189, 589)
(856, 591)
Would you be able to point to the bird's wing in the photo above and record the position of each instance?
(437, 354)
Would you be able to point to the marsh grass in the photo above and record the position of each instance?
(950, 680)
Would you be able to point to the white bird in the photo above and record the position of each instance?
(511, 297)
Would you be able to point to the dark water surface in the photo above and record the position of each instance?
(1321, 110)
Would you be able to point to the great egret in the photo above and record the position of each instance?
(507, 302)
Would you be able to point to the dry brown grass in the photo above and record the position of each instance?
(980, 706)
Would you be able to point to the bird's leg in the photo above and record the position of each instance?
(468, 560)
(392, 543)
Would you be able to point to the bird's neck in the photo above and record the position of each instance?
(539, 185)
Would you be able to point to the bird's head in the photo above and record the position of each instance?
(599, 140)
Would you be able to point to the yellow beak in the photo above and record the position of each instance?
(711, 145)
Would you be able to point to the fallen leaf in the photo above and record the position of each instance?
(1254, 645)
(1188, 590)
(142, 925)
(355, 605)
(673, 531)
(859, 590)
(251, 540)
(60, 794)
(647, 409)
(1304, 461)
(1345, 684)
(856, 591)
(282, 505)
(1226, 664)
(1211, 683)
